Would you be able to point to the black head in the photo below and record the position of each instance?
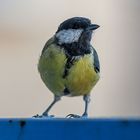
(74, 23)
(74, 35)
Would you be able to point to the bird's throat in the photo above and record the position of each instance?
(77, 48)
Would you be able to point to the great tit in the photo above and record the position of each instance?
(69, 65)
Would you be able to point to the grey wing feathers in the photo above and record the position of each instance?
(49, 42)
(96, 61)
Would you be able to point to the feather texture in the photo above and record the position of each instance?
(81, 77)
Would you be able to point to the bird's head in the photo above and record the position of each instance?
(74, 30)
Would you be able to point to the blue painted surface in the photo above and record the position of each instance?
(69, 129)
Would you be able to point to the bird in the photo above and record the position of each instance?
(69, 64)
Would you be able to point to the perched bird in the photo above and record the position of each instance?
(69, 65)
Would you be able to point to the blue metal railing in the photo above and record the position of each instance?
(69, 129)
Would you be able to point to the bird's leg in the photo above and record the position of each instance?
(56, 99)
(86, 98)
(45, 113)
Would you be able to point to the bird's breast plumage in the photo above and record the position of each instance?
(81, 76)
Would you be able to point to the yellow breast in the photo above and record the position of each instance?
(81, 76)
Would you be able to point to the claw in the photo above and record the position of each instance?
(84, 116)
(36, 116)
(43, 116)
(73, 116)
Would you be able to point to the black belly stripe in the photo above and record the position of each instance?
(66, 91)
(68, 65)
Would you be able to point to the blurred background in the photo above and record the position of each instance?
(26, 25)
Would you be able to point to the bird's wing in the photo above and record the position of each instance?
(96, 61)
(49, 42)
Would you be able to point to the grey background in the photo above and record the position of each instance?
(26, 25)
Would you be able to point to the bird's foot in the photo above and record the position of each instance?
(73, 116)
(43, 116)
(77, 116)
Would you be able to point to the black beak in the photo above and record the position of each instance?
(93, 27)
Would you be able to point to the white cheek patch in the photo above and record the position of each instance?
(68, 36)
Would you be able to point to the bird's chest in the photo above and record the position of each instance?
(78, 76)
(82, 77)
